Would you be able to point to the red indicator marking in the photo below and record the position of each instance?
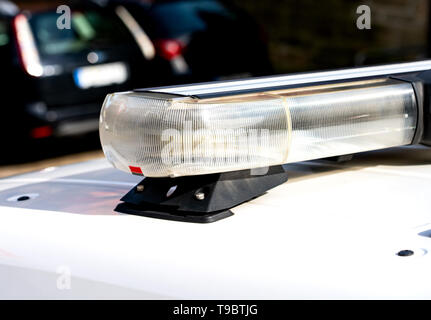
(136, 170)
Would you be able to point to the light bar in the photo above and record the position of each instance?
(196, 144)
(159, 134)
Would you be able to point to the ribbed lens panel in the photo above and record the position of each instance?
(352, 120)
(183, 137)
(159, 135)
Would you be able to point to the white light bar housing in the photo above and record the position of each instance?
(163, 133)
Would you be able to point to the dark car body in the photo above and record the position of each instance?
(55, 80)
(201, 40)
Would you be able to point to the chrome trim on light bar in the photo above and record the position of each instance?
(263, 83)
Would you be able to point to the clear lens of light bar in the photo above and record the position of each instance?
(164, 135)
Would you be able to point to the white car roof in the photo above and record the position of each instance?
(332, 231)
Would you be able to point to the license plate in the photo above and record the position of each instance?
(76, 128)
(101, 75)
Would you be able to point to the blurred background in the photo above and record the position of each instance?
(56, 72)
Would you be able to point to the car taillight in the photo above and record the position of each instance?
(27, 50)
(168, 48)
(41, 132)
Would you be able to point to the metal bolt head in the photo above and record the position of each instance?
(140, 188)
(200, 196)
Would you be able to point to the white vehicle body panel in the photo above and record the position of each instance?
(332, 231)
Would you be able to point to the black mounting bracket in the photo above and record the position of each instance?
(201, 198)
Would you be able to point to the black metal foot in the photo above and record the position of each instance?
(174, 215)
(202, 198)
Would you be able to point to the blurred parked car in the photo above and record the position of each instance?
(199, 40)
(57, 78)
